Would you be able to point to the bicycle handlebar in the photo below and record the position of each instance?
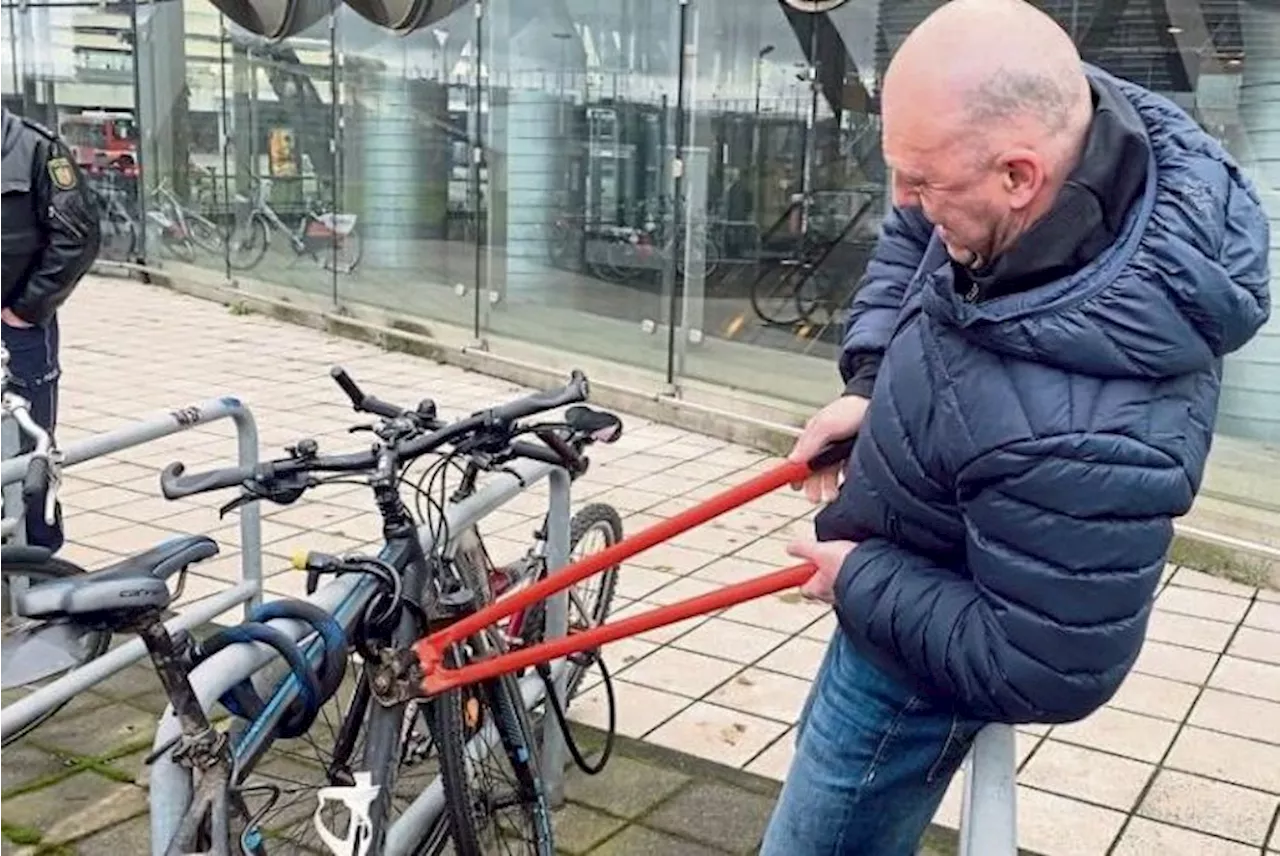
(175, 483)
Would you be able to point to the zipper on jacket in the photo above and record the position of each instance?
(62, 218)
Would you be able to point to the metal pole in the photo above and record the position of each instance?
(677, 192)
(989, 812)
(14, 505)
(556, 626)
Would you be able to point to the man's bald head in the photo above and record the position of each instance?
(992, 67)
(986, 109)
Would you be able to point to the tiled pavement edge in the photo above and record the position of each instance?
(1185, 759)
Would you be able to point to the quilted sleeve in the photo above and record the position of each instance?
(1066, 539)
(904, 235)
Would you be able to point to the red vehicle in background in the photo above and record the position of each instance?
(103, 142)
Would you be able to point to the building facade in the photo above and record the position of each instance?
(687, 190)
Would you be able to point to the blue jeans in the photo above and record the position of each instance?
(34, 370)
(872, 763)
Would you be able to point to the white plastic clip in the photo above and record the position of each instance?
(357, 798)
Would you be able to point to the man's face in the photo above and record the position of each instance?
(939, 170)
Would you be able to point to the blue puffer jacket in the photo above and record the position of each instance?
(1014, 485)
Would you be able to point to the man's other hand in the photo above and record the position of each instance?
(11, 318)
(829, 557)
(839, 420)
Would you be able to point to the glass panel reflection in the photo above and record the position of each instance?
(577, 139)
(283, 226)
(181, 90)
(404, 165)
(786, 156)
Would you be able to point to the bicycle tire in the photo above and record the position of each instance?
(782, 279)
(257, 230)
(516, 741)
(96, 642)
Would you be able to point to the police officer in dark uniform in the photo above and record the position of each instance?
(50, 233)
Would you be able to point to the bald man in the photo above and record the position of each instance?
(1032, 370)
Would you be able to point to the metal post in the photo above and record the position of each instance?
(248, 591)
(11, 443)
(989, 811)
(556, 626)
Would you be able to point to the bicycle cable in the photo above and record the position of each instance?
(544, 672)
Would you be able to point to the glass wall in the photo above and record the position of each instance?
(688, 190)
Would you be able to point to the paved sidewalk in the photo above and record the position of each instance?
(1186, 759)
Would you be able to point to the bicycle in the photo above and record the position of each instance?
(329, 238)
(181, 231)
(233, 794)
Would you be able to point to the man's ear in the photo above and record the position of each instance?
(1022, 175)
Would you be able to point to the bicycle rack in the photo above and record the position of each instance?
(248, 591)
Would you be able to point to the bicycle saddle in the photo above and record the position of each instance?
(600, 425)
(118, 592)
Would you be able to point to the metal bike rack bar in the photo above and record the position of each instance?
(989, 811)
(556, 625)
(248, 591)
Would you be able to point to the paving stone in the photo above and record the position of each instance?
(716, 814)
(1098, 777)
(1232, 759)
(125, 839)
(639, 841)
(43, 808)
(24, 764)
(577, 829)
(1148, 838)
(1226, 810)
(97, 732)
(121, 803)
(626, 788)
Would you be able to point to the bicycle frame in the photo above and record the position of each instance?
(430, 650)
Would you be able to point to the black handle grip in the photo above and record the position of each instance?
(576, 390)
(362, 402)
(833, 454)
(339, 374)
(35, 486)
(378, 407)
(175, 485)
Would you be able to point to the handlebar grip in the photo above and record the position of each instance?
(576, 390)
(833, 454)
(175, 485)
(35, 486)
(339, 374)
(378, 407)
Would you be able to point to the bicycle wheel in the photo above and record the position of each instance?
(494, 799)
(773, 295)
(91, 645)
(248, 244)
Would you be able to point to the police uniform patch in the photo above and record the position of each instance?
(62, 173)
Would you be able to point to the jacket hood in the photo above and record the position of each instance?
(1185, 282)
